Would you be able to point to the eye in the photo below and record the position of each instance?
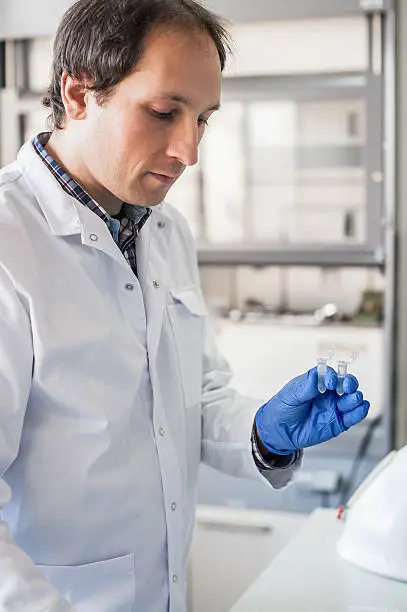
(168, 116)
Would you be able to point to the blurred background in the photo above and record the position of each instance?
(298, 209)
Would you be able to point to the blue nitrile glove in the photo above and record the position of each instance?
(299, 416)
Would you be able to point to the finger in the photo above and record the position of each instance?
(356, 415)
(331, 379)
(302, 389)
(348, 402)
(350, 383)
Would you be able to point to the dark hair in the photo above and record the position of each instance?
(103, 40)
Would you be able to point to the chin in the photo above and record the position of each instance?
(139, 196)
(150, 199)
(139, 199)
(153, 203)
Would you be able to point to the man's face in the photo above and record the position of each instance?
(140, 140)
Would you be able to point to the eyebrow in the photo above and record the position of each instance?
(183, 100)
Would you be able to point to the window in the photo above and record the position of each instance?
(289, 170)
(285, 172)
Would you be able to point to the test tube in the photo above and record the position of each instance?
(321, 369)
(342, 371)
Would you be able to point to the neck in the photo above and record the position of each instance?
(68, 155)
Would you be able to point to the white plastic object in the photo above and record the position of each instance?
(342, 371)
(375, 531)
(322, 365)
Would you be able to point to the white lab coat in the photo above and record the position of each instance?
(111, 393)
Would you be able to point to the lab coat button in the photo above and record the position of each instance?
(173, 507)
(161, 431)
(94, 238)
(156, 284)
(175, 578)
(129, 287)
(161, 224)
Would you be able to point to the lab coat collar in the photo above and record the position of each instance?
(66, 216)
(58, 207)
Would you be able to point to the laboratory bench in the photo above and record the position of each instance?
(310, 576)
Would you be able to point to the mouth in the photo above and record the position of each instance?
(164, 178)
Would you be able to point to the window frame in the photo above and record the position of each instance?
(367, 85)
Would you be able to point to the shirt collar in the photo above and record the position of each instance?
(138, 214)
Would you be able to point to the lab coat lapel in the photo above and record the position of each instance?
(64, 214)
(96, 234)
(152, 264)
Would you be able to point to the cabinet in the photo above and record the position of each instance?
(231, 547)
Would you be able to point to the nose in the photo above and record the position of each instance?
(184, 143)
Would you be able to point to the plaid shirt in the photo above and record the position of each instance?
(124, 227)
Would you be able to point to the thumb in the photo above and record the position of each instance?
(301, 389)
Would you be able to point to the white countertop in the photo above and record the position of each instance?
(310, 576)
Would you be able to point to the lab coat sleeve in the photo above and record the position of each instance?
(228, 421)
(22, 587)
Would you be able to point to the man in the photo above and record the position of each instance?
(111, 388)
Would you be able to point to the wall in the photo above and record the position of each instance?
(22, 19)
(25, 19)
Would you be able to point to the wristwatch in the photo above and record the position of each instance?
(266, 459)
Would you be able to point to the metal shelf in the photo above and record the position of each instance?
(298, 87)
(292, 9)
(264, 255)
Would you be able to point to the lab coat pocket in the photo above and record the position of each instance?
(186, 315)
(105, 586)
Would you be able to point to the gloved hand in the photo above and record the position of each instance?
(299, 416)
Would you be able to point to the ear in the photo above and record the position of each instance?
(75, 97)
